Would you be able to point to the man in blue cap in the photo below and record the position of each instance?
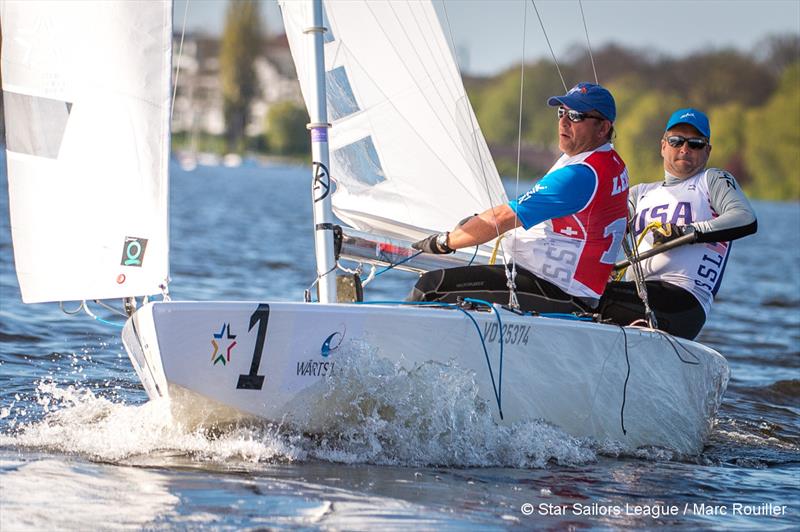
(691, 200)
(567, 229)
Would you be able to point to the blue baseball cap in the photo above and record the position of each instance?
(693, 117)
(584, 97)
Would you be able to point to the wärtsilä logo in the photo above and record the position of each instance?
(333, 342)
(686, 115)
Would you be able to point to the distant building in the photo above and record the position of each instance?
(198, 101)
(277, 78)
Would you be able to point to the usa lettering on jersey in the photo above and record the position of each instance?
(698, 268)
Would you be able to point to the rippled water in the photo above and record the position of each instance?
(81, 447)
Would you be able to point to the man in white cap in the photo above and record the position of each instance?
(568, 227)
(706, 203)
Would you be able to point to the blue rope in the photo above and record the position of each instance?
(497, 391)
(473, 256)
(386, 269)
(113, 324)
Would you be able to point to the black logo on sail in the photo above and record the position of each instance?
(133, 251)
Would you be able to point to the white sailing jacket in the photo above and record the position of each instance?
(697, 268)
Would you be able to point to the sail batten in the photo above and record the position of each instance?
(86, 90)
(405, 145)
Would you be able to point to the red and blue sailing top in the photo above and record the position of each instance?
(573, 221)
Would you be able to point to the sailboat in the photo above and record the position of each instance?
(391, 126)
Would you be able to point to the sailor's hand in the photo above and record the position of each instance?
(436, 244)
(671, 231)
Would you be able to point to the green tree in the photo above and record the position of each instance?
(626, 89)
(779, 51)
(497, 106)
(727, 139)
(241, 42)
(286, 132)
(716, 77)
(772, 137)
(639, 135)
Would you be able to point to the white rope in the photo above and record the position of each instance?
(511, 275)
(588, 43)
(178, 66)
(521, 89)
(109, 307)
(632, 252)
(71, 312)
(552, 53)
(474, 127)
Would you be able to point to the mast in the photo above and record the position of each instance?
(321, 182)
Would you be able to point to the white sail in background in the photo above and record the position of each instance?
(86, 89)
(407, 154)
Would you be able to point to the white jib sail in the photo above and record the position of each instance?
(86, 88)
(407, 154)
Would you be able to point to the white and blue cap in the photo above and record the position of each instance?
(693, 117)
(585, 97)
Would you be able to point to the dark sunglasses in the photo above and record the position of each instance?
(695, 143)
(575, 116)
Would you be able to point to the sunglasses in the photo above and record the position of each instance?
(575, 116)
(695, 143)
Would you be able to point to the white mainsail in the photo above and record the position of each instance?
(86, 89)
(407, 154)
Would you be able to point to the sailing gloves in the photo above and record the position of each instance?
(436, 244)
(670, 231)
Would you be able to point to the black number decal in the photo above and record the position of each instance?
(254, 381)
(717, 262)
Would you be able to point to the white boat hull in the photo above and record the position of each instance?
(220, 361)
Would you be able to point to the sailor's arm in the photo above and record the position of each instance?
(736, 216)
(560, 193)
(483, 227)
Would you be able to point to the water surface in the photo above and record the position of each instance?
(81, 447)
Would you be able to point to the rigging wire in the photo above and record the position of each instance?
(588, 43)
(178, 66)
(641, 285)
(395, 264)
(512, 275)
(552, 53)
(71, 312)
(632, 252)
(307, 291)
(474, 126)
(109, 307)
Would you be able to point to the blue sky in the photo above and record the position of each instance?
(488, 33)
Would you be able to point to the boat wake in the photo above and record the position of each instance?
(372, 410)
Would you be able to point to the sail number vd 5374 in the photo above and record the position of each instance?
(510, 333)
